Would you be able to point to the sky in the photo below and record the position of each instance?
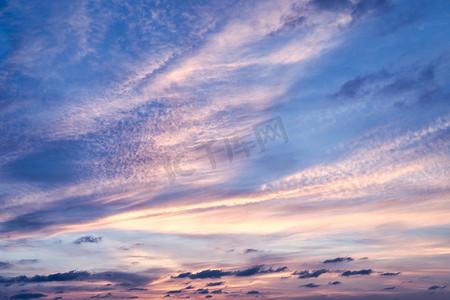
(225, 149)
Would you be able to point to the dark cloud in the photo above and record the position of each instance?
(389, 274)
(249, 272)
(252, 292)
(174, 292)
(28, 261)
(337, 260)
(28, 296)
(203, 291)
(308, 274)
(127, 279)
(108, 295)
(208, 296)
(277, 270)
(68, 276)
(360, 85)
(217, 292)
(334, 283)
(420, 80)
(215, 283)
(436, 287)
(360, 272)
(311, 285)
(137, 289)
(209, 274)
(88, 239)
(250, 250)
(189, 287)
(389, 288)
(184, 275)
(353, 87)
(259, 269)
(5, 265)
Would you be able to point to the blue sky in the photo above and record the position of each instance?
(131, 165)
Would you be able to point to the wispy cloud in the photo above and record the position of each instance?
(102, 102)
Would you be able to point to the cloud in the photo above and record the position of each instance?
(205, 274)
(337, 260)
(252, 292)
(389, 274)
(308, 274)
(28, 261)
(250, 250)
(389, 288)
(112, 276)
(100, 296)
(215, 283)
(259, 269)
(419, 82)
(5, 265)
(334, 283)
(88, 239)
(203, 291)
(311, 285)
(28, 296)
(74, 209)
(356, 86)
(184, 275)
(249, 272)
(164, 108)
(217, 291)
(230, 69)
(436, 287)
(360, 272)
(291, 20)
(174, 292)
(68, 276)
